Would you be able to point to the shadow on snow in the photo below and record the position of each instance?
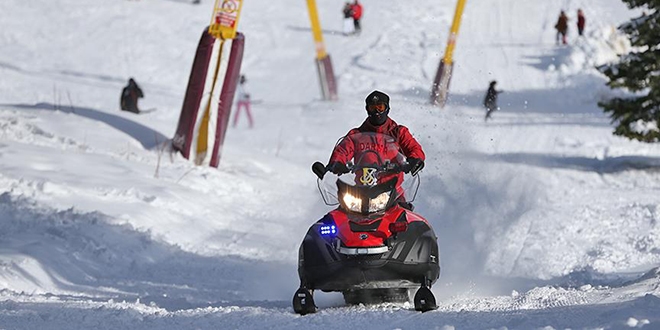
(608, 165)
(148, 137)
(539, 101)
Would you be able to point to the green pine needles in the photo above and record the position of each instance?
(637, 116)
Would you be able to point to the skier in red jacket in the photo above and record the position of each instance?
(378, 121)
(356, 10)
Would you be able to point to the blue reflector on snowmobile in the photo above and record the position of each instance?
(328, 230)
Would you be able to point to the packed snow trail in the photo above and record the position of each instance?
(544, 218)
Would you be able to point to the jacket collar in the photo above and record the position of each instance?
(385, 128)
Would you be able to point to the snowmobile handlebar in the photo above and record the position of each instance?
(388, 167)
(320, 170)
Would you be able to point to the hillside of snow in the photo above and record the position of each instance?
(545, 220)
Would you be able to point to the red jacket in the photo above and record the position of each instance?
(346, 149)
(357, 11)
(349, 147)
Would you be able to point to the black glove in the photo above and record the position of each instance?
(416, 165)
(338, 168)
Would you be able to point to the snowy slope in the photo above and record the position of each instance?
(544, 218)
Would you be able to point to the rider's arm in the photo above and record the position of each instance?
(410, 147)
(343, 151)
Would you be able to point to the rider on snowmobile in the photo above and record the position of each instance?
(354, 145)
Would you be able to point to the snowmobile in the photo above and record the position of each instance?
(372, 248)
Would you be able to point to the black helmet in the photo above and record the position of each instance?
(377, 97)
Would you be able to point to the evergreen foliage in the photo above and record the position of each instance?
(637, 116)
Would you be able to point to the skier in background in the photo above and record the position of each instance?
(356, 10)
(490, 101)
(581, 20)
(243, 102)
(130, 95)
(562, 27)
(348, 19)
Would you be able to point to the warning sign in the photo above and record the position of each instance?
(225, 18)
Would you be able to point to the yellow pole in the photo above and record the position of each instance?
(440, 88)
(316, 29)
(453, 32)
(323, 62)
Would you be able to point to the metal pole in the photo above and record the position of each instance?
(323, 62)
(440, 88)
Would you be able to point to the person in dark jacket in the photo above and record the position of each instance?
(348, 19)
(562, 27)
(130, 95)
(581, 21)
(490, 101)
(378, 121)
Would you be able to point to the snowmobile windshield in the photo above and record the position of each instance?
(377, 178)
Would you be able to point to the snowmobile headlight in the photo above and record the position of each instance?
(352, 203)
(379, 203)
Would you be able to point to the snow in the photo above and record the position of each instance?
(545, 219)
